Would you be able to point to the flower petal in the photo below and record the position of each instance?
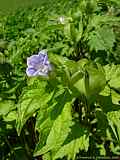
(42, 74)
(30, 72)
(38, 65)
(43, 57)
(33, 60)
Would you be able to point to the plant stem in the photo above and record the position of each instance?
(28, 152)
(9, 145)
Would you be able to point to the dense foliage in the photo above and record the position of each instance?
(75, 111)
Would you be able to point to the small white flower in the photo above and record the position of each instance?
(61, 20)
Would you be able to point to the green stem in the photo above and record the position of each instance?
(9, 145)
(28, 152)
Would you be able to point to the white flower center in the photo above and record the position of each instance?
(43, 68)
(61, 19)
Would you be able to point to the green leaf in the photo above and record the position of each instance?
(92, 82)
(102, 123)
(105, 102)
(113, 75)
(108, 118)
(73, 32)
(95, 42)
(101, 39)
(78, 139)
(67, 30)
(32, 100)
(114, 122)
(115, 148)
(6, 106)
(80, 31)
(97, 79)
(115, 1)
(101, 149)
(113, 78)
(115, 97)
(105, 91)
(11, 116)
(50, 117)
(43, 126)
(2, 58)
(3, 44)
(59, 130)
(110, 96)
(20, 153)
(47, 156)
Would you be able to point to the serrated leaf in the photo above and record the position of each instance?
(43, 125)
(115, 79)
(102, 39)
(115, 97)
(60, 128)
(78, 139)
(114, 122)
(106, 103)
(95, 42)
(31, 100)
(110, 98)
(58, 131)
(105, 91)
(55, 116)
(113, 76)
(115, 148)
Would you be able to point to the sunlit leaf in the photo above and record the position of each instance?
(102, 39)
(31, 101)
(78, 139)
(6, 106)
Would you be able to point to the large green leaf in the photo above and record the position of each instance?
(92, 82)
(109, 101)
(113, 75)
(43, 125)
(102, 39)
(59, 130)
(110, 97)
(61, 127)
(78, 139)
(55, 125)
(112, 89)
(32, 99)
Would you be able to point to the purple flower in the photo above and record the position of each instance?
(38, 65)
